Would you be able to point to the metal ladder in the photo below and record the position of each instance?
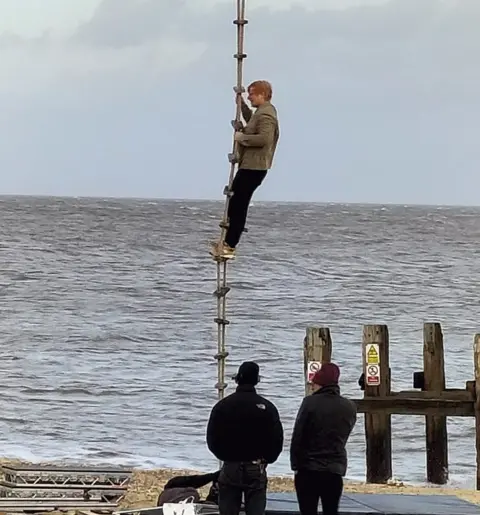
(222, 288)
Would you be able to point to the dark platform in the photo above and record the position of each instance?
(361, 504)
(381, 504)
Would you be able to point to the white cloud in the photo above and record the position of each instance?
(403, 43)
(31, 18)
(279, 5)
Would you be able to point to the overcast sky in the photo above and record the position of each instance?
(378, 100)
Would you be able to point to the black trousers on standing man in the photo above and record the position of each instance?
(312, 487)
(244, 185)
(237, 480)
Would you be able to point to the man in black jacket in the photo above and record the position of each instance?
(245, 432)
(317, 452)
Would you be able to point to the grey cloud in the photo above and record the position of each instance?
(401, 42)
(129, 22)
(377, 103)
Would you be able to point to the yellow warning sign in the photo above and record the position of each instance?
(373, 357)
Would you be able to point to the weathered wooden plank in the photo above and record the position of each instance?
(395, 405)
(470, 387)
(378, 428)
(435, 425)
(317, 349)
(448, 395)
(476, 353)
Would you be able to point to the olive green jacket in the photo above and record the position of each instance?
(258, 142)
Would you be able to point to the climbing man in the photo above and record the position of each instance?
(245, 432)
(256, 145)
(317, 451)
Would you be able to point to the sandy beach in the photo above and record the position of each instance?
(146, 485)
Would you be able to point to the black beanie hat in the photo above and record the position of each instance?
(248, 373)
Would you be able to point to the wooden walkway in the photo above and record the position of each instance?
(357, 504)
(381, 504)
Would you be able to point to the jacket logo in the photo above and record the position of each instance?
(261, 406)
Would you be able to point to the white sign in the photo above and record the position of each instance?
(373, 375)
(313, 367)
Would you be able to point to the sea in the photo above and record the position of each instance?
(107, 333)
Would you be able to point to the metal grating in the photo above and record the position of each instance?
(30, 488)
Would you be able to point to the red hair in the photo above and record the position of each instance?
(262, 87)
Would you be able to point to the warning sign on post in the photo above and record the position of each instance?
(313, 366)
(373, 375)
(373, 354)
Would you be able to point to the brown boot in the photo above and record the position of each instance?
(221, 250)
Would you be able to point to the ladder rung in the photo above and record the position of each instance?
(221, 386)
(220, 259)
(221, 292)
(222, 321)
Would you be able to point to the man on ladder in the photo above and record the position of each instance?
(256, 144)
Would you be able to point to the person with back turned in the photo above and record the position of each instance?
(256, 144)
(317, 452)
(245, 433)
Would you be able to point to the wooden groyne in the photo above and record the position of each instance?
(429, 398)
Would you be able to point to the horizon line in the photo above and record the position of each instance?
(173, 199)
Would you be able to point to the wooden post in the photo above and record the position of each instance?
(436, 426)
(477, 403)
(378, 426)
(317, 349)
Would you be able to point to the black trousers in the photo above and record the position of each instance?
(242, 479)
(313, 487)
(244, 185)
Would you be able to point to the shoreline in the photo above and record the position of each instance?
(146, 484)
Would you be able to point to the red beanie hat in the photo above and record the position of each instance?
(328, 374)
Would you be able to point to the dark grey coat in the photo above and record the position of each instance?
(323, 425)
